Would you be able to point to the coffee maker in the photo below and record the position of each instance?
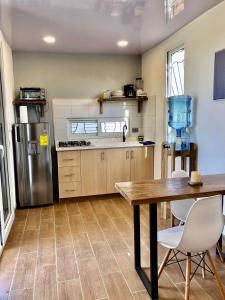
(129, 90)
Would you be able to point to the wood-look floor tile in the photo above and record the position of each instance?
(115, 241)
(112, 208)
(63, 237)
(70, 290)
(5, 282)
(47, 228)
(91, 281)
(9, 256)
(107, 264)
(98, 207)
(66, 264)
(126, 264)
(91, 226)
(122, 227)
(105, 222)
(101, 248)
(82, 246)
(33, 222)
(96, 236)
(16, 233)
(25, 270)
(20, 220)
(196, 292)
(59, 207)
(47, 212)
(72, 208)
(117, 287)
(61, 218)
(45, 283)
(142, 296)
(30, 241)
(46, 252)
(76, 224)
(87, 211)
(26, 294)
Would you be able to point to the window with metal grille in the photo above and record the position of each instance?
(83, 127)
(173, 8)
(175, 72)
(112, 126)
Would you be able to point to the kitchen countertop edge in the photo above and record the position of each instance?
(109, 146)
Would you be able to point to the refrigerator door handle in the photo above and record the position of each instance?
(2, 151)
(17, 131)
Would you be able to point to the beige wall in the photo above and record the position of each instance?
(73, 75)
(201, 38)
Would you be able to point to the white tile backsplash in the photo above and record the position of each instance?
(89, 108)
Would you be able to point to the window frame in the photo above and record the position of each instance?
(169, 53)
(99, 133)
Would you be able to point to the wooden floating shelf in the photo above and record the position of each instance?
(140, 100)
(19, 102)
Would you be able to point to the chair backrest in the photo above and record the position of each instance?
(181, 208)
(204, 225)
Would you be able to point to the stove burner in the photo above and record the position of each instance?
(81, 143)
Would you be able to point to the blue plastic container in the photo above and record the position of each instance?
(179, 119)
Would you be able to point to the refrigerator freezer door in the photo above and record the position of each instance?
(34, 166)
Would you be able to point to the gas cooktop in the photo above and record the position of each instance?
(81, 143)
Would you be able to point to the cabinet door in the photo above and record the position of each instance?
(118, 167)
(142, 163)
(93, 172)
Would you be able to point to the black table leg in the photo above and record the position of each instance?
(153, 249)
(152, 284)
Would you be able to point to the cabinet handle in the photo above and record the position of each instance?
(102, 156)
(132, 154)
(127, 154)
(68, 175)
(68, 159)
(69, 190)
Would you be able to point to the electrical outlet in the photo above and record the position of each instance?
(135, 130)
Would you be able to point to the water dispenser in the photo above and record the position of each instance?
(179, 120)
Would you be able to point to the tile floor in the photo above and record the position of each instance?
(84, 250)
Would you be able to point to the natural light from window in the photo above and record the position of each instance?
(175, 72)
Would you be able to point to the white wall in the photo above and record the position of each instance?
(8, 96)
(201, 38)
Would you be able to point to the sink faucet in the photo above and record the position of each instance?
(124, 135)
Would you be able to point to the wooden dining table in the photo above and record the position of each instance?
(153, 192)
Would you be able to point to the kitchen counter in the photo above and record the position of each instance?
(112, 145)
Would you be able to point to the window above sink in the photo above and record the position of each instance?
(94, 128)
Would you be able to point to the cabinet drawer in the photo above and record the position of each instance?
(69, 174)
(69, 189)
(68, 158)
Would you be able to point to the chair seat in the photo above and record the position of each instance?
(170, 237)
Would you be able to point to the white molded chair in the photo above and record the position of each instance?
(201, 232)
(180, 209)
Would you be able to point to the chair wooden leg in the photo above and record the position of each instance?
(203, 267)
(221, 288)
(219, 252)
(164, 262)
(188, 277)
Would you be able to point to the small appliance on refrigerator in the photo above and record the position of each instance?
(33, 163)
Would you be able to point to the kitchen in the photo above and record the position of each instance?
(101, 121)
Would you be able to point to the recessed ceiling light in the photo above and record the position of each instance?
(122, 43)
(49, 39)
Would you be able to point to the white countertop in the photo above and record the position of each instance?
(104, 146)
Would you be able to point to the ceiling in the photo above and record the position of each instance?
(92, 26)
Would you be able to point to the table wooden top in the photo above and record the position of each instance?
(165, 190)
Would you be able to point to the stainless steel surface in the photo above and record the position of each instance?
(33, 165)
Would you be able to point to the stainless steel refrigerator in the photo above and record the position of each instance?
(33, 164)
